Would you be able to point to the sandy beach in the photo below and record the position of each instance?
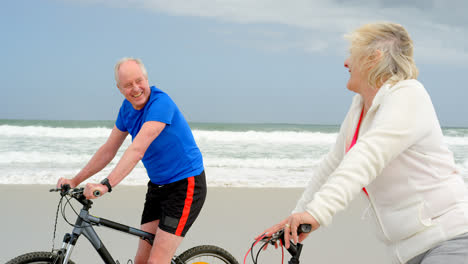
(231, 218)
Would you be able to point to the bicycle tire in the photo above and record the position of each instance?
(36, 257)
(207, 254)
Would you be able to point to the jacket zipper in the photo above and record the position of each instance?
(379, 222)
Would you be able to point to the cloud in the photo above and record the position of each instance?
(438, 27)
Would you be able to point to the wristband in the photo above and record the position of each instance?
(106, 183)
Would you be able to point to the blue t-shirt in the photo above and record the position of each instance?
(173, 155)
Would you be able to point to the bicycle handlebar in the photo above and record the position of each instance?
(303, 228)
(73, 191)
(294, 249)
(67, 190)
(76, 193)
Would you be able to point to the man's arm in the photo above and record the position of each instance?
(135, 152)
(100, 159)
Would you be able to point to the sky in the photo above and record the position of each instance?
(233, 61)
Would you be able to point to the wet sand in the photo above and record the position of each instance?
(231, 218)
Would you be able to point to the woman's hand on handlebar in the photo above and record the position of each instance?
(91, 188)
(290, 226)
(62, 181)
(293, 221)
(271, 231)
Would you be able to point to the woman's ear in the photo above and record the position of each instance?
(378, 55)
(375, 57)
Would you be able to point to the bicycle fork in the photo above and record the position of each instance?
(67, 248)
(83, 226)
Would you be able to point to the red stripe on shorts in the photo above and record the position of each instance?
(187, 205)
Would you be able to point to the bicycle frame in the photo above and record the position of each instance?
(295, 251)
(83, 226)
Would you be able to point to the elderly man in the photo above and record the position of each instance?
(163, 141)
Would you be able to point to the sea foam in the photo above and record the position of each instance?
(245, 158)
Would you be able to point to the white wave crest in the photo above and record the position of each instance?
(286, 137)
(464, 168)
(460, 141)
(50, 176)
(39, 155)
(240, 137)
(12, 157)
(261, 163)
(55, 132)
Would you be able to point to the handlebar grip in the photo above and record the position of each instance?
(304, 228)
(97, 193)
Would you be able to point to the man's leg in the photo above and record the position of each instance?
(176, 205)
(164, 248)
(144, 248)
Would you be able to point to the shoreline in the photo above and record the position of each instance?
(231, 218)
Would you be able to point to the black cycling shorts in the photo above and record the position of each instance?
(176, 205)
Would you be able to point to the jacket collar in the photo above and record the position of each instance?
(356, 109)
(358, 101)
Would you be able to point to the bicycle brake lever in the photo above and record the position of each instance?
(273, 238)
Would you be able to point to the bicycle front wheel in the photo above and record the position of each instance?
(37, 258)
(207, 254)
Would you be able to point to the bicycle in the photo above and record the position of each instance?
(84, 223)
(294, 249)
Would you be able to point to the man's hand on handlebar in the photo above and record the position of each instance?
(63, 181)
(91, 190)
(94, 190)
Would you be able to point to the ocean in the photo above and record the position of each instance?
(239, 155)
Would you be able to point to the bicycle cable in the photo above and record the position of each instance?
(260, 250)
(282, 252)
(55, 225)
(251, 250)
(74, 210)
(61, 207)
(128, 261)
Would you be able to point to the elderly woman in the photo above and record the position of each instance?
(390, 148)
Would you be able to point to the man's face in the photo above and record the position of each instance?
(133, 84)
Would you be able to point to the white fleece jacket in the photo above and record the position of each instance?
(415, 190)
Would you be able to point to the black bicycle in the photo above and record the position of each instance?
(205, 254)
(278, 237)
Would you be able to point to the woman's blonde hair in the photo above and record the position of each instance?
(385, 50)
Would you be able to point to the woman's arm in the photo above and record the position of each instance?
(403, 118)
(328, 164)
(325, 167)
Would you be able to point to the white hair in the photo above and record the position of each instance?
(121, 61)
(392, 41)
